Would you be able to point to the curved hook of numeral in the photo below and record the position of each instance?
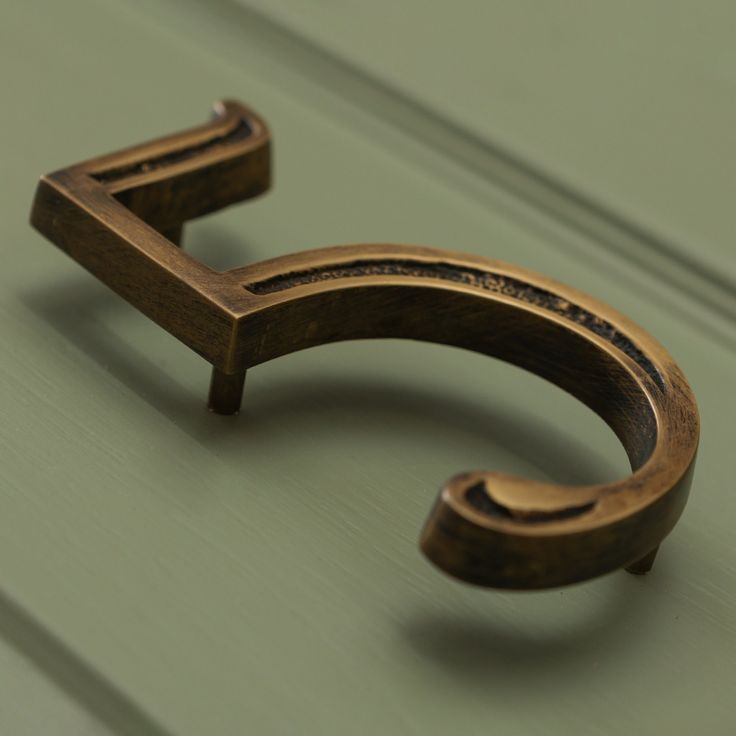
(117, 215)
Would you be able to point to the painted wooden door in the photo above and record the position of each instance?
(168, 571)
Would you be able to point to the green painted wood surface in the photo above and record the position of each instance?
(631, 105)
(174, 572)
(32, 704)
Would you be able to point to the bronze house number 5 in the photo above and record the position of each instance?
(121, 217)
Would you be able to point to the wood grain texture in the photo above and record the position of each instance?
(615, 119)
(135, 525)
(33, 704)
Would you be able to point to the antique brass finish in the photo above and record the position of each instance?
(121, 216)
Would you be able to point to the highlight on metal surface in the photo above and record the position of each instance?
(121, 217)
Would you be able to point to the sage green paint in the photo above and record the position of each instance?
(31, 704)
(631, 104)
(174, 572)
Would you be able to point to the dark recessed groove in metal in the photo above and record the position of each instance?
(481, 500)
(241, 131)
(478, 278)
